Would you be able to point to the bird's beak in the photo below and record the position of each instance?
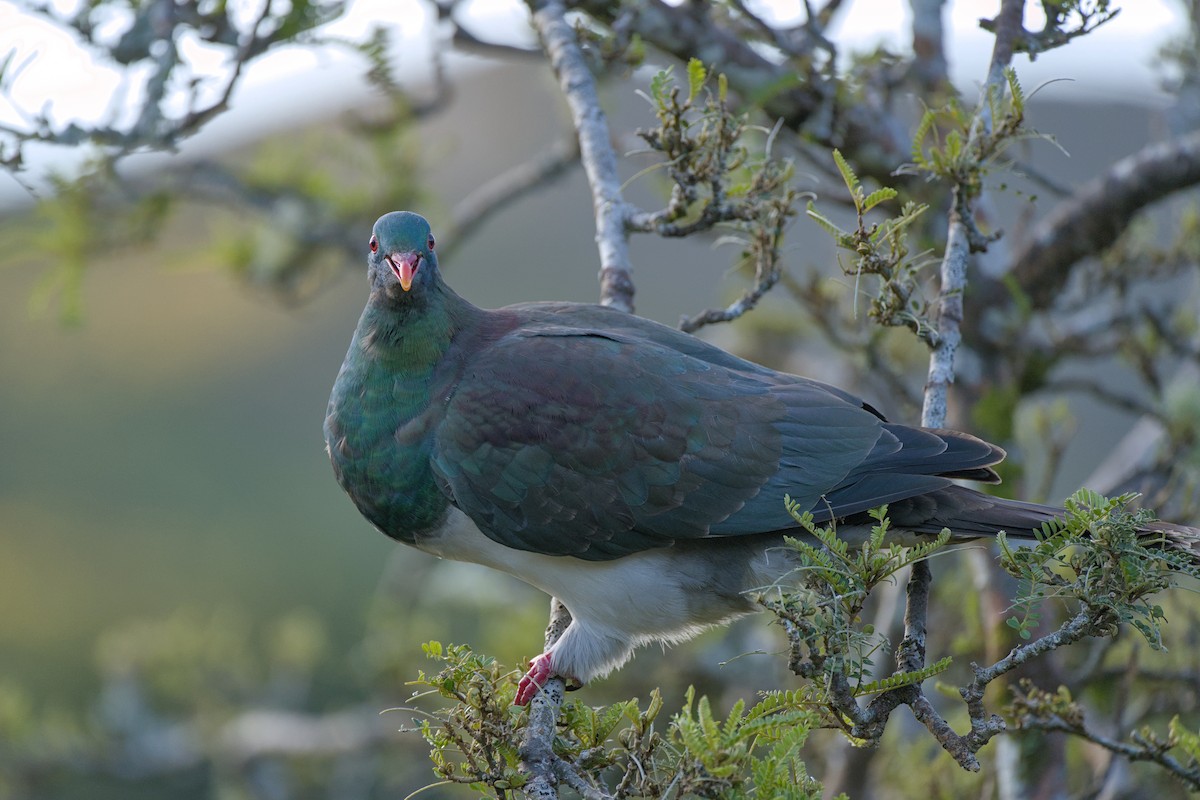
(405, 266)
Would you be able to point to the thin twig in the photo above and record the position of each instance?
(1134, 752)
(511, 185)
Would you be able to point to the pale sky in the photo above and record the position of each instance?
(51, 71)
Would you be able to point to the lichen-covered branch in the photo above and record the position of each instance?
(959, 237)
(538, 759)
(1036, 709)
(596, 151)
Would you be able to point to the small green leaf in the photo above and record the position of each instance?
(878, 196)
(918, 144)
(1014, 87)
(823, 221)
(849, 177)
(696, 77)
(660, 84)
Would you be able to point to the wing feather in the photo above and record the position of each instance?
(599, 443)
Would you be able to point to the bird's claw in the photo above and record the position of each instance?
(541, 669)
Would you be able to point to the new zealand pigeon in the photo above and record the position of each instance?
(632, 471)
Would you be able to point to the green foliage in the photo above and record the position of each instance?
(902, 679)
(714, 175)
(1105, 562)
(753, 753)
(475, 740)
(1095, 560)
(717, 178)
(881, 249)
(823, 614)
(1030, 702)
(959, 146)
(697, 76)
(83, 217)
(1186, 739)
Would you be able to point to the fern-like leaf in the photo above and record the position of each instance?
(878, 196)
(904, 678)
(824, 222)
(918, 144)
(852, 182)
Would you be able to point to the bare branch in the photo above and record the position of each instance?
(1141, 749)
(599, 159)
(150, 44)
(764, 249)
(959, 236)
(743, 304)
(511, 185)
(929, 53)
(1102, 392)
(1099, 212)
(688, 30)
(1058, 29)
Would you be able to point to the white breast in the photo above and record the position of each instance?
(668, 594)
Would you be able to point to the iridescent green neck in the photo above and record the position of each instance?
(411, 337)
(381, 418)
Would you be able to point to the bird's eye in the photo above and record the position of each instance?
(430, 242)
(374, 245)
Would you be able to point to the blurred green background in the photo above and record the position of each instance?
(165, 499)
(166, 504)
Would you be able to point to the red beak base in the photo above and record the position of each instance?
(404, 265)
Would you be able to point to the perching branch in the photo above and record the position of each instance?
(538, 759)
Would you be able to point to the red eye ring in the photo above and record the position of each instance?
(374, 245)
(430, 242)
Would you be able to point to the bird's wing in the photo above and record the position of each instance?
(598, 444)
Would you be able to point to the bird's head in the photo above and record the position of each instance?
(401, 259)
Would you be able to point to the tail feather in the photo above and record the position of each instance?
(974, 515)
(1176, 538)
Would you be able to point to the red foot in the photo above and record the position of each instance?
(540, 671)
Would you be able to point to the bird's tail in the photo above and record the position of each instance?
(1174, 538)
(973, 515)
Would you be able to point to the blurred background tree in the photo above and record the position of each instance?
(173, 625)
